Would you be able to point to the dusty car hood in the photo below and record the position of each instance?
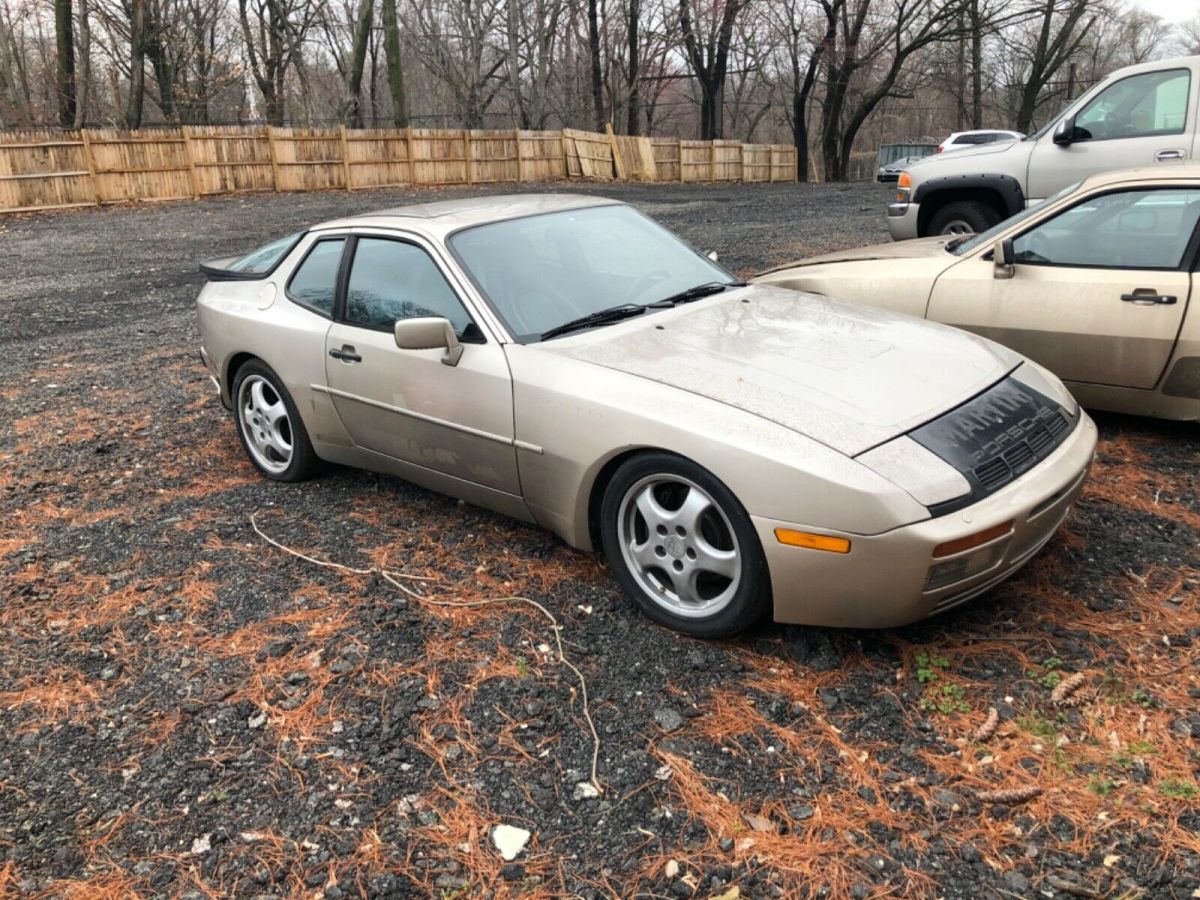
(849, 376)
(921, 247)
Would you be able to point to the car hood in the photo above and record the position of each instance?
(851, 377)
(914, 249)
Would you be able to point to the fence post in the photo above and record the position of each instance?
(191, 161)
(680, 141)
(618, 163)
(470, 157)
(408, 149)
(742, 160)
(90, 163)
(274, 158)
(345, 156)
(563, 138)
(517, 137)
(712, 161)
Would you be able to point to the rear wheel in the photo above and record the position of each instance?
(683, 547)
(269, 426)
(963, 218)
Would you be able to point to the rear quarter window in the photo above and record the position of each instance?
(265, 259)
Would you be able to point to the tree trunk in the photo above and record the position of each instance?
(597, 77)
(358, 59)
(632, 122)
(65, 65)
(137, 64)
(395, 69)
(83, 72)
(976, 67)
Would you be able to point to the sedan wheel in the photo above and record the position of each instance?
(265, 424)
(269, 426)
(683, 547)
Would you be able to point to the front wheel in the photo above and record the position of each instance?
(683, 547)
(963, 218)
(269, 425)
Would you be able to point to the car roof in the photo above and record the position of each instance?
(1180, 172)
(450, 215)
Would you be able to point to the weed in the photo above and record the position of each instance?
(1178, 789)
(1102, 786)
(928, 666)
(522, 666)
(1038, 725)
(946, 699)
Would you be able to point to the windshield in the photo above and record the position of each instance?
(986, 237)
(542, 271)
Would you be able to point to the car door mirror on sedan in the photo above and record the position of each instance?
(1003, 259)
(429, 333)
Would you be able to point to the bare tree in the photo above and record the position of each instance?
(707, 45)
(274, 32)
(1056, 33)
(461, 45)
(875, 37)
(64, 27)
(395, 66)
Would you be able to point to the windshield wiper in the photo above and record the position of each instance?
(624, 311)
(601, 317)
(701, 290)
(953, 244)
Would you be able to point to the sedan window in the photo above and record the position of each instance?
(392, 280)
(315, 280)
(1142, 229)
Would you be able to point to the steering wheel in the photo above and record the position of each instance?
(1036, 248)
(646, 282)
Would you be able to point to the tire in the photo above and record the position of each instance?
(962, 218)
(683, 548)
(269, 425)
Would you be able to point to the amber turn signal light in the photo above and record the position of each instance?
(811, 541)
(978, 539)
(905, 180)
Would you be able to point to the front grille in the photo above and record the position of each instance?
(995, 438)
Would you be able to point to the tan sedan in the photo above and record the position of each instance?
(734, 449)
(1095, 284)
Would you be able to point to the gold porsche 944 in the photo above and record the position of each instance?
(1095, 284)
(736, 450)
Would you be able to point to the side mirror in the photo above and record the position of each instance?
(429, 333)
(712, 254)
(1064, 132)
(1003, 259)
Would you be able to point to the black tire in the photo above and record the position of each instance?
(976, 216)
(747, 598)
(303, 462)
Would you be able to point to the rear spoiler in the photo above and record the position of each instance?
(253, 266)
(218, 270)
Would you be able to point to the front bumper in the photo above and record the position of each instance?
(892, 579)
(902, 220)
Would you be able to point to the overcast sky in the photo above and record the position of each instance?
(1171, 10)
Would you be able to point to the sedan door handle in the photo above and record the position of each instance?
(346, 354)
(1149, 297)
(1166, 155)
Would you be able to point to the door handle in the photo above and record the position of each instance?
(346, 354)
(1149, 297)
(1165, 155)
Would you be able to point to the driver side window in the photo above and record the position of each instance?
(392, 280)
(1143, 229)
(1153, 103)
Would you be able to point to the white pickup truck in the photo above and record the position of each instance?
(1142, 115)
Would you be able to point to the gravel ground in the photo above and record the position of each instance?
(187, 710)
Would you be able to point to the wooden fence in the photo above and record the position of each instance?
(59, 169)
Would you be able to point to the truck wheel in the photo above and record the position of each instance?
(964, 217)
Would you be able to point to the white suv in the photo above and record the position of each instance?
(1143, 115)
(961, 140)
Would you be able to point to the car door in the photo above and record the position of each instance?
(1098, 291)
(1143, 120)
(409, 405)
